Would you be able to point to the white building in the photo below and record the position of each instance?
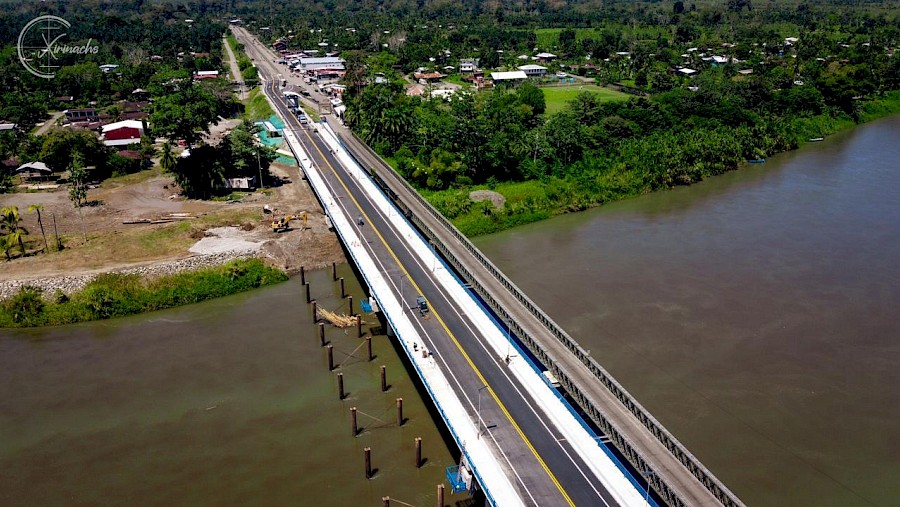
(533, 70)
(325, 63)
(509, 77)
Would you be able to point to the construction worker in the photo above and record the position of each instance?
(359, 220)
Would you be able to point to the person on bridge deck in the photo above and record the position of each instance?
(359, 220)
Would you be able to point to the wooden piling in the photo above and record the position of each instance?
(385, 501)
(334, 271)
(322, 333)
(343, 292)
(418, 452)
(383, 378)
(368, 454)
(340, 381)
(308, 298)
(350, 305)
(315, 308)
(440, 495)
(353, 425)
(330, 357)
(369, 347)
(359, 332)
(302, 276)
(399, 411)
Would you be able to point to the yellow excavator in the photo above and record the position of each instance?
(284, 223)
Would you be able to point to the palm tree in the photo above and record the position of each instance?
(167, 159)
(10, 222)
(37, 208)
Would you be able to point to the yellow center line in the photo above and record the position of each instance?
(446, 329)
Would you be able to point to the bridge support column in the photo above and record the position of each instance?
(400, 419)
(440, 495)
(334, 271)
(359, 332)
(302, 276)
(369, 347)
(330, 349)
(368, 455)
(350, 305)
(353, 425)
(308, 298)
(385, 501)
(340, 381)
(343, 291)
(418, 452)
(383, 378)
(315, 309)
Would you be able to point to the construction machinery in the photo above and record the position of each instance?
(284, 223)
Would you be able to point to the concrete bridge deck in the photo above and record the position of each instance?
(544, 466)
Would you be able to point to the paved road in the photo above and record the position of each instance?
(235, 70)
(542, 465)
(667, 469)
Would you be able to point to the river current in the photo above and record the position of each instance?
(756, 314)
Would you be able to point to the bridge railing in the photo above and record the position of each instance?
(622, 443)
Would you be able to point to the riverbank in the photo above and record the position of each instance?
(626, 176)
(128, 293)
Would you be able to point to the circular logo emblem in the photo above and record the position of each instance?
(37, 43)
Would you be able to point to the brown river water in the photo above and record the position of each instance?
(227, 402)
(757, 314)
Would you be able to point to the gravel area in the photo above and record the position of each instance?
(70, 284)
(226, 239)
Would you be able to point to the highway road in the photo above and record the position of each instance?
(544, 467)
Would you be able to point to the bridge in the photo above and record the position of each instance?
(482, 345)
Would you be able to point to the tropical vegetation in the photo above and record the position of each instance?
(118, 295)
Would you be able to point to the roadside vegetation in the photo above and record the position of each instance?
(118, 295)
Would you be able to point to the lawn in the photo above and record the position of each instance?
(558, 96)
(257, 107)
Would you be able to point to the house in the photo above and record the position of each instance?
(108, 67)
(140, 94)
(122, 133)
(89, 114)
(7, 127)
(545, 57)
(428, 77)
(468, 65)
(206, 74)
(279, 45)
(513, 77)
(686, 71)
(533, 70)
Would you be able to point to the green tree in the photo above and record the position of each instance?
(167, 157)
(78, 189)
(533, 96)
(61, 145)
(185, 114)
(13, 232)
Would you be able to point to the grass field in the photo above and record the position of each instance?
(257, 108)
(558, 96)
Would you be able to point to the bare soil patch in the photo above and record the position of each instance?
(168, 226)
